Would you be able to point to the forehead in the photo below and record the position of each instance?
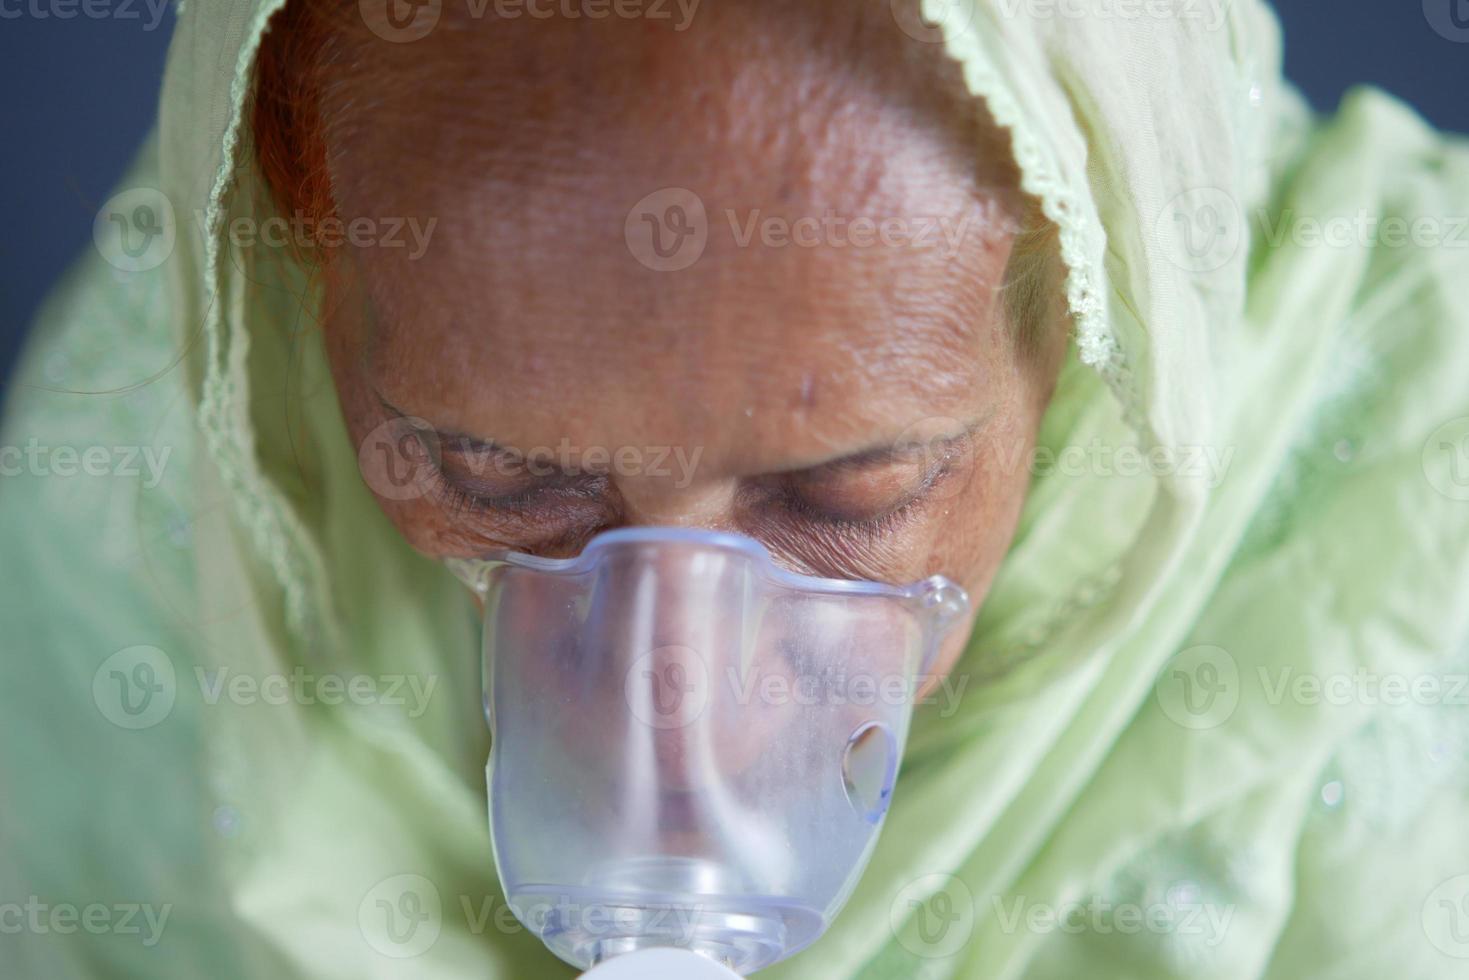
(785, 344)
(847, 255)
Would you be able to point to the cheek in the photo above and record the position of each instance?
(980, 525)
(973, 535)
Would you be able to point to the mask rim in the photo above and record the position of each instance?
(938, 596)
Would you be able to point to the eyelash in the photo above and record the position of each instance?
(874, 527)
(458, 501)
(870, 528)
(516, 506)
(509, 521)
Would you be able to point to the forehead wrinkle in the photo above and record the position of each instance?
(697, 327)
(561, 88)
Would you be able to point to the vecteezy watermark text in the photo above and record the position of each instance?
(403, 916)
(137, 688)
(303, 231)
(1364, 687)
(399, 458)
(1102, 916)
(669, 229)
(39, 459)
(835, 230)
(405, 21)
(858, 688)
(410, 691)
(87, 10)
(41, 918)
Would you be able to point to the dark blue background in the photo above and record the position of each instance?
(80, 94)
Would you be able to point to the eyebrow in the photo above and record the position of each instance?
(450, 440)
(459, 443)
(873, 456)
(489, 454)
(887, 452)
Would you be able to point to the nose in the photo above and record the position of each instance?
(661, 629)
(669, 596)
(669, 501)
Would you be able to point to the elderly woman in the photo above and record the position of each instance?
(1075, 306)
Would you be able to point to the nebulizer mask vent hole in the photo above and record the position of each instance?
(869, 768)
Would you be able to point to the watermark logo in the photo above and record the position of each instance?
(945, 450)
(1200, 229)
(1446, 459)
(910, 17)
(135, 688)
(1199, 688)
(667, 230)
(667, 688)
(1446, 917)
(1448, 18)
(933, 916)
(401, 916)
(400, 21)
(399, 457)
(135, 231)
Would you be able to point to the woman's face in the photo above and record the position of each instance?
(820, 359)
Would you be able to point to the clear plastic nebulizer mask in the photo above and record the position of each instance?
(692, 748)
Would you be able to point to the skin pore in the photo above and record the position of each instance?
(856, 403)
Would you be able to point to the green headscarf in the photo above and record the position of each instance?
(1253, 473)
